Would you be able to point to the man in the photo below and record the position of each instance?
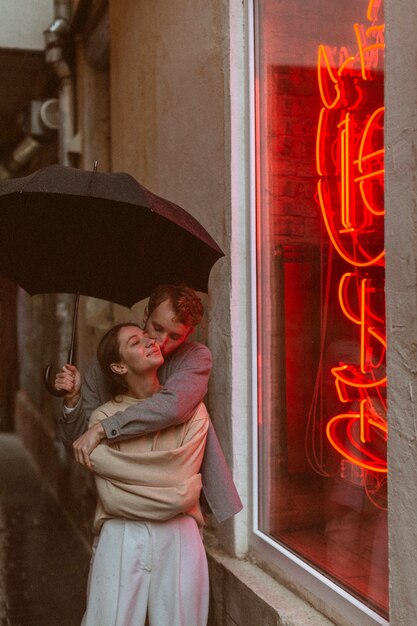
(170, 317)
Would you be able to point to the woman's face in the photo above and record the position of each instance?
(138, 352)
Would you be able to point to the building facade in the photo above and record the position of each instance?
(269, 122)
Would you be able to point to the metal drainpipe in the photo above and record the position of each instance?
(56, 37)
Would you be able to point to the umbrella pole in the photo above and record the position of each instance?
(49, 384)
(74, 328)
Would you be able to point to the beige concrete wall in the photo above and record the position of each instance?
(93, 112)
(167, 102)
(170, 129)
(401, 293)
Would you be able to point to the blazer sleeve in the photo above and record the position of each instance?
(154, 484)
(184, 388)
(155, 468)
(185, 385)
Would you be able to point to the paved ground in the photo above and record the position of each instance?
(43, 563)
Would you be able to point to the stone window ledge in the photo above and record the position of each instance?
(242, 594)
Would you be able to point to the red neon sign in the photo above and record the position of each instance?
(350, 165)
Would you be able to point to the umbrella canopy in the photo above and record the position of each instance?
(65, 230)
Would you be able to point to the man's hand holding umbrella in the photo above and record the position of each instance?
(69, 380)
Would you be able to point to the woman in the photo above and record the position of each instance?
(148, 558)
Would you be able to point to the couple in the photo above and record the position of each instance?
(168, 418)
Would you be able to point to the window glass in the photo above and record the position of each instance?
(322, 430)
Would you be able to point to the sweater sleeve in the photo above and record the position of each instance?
(157, 503)
(155, 484)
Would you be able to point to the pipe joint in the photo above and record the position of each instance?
(56, 39)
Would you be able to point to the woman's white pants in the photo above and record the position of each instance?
(154, 568)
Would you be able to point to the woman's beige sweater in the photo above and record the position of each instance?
(152, 477)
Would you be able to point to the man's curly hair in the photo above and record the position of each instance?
(187, 306)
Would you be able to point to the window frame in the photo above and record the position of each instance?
(272, 556)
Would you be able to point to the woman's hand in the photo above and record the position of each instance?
(68, 379)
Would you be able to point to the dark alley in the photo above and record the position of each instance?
(43, 562)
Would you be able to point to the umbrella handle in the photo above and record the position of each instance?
(49, 380)
(49, 384)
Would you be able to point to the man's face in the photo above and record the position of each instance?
(167, 332)
(138, 352)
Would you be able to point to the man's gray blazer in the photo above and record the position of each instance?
(184, 377)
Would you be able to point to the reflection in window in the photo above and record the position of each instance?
(321, 306)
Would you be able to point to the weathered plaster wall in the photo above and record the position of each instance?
(401, 292)
(167, 99)
(170, 128)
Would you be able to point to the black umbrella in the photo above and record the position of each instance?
(65, 230)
